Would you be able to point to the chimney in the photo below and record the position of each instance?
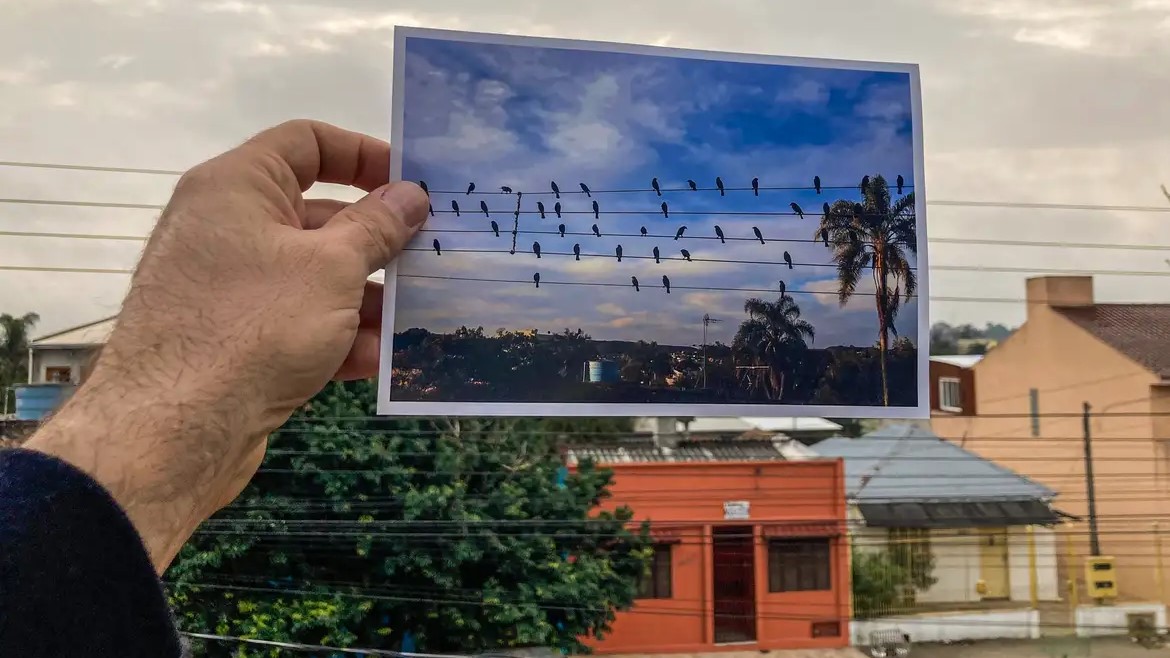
(666, 432)
(1059, 291)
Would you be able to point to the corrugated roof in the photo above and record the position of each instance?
(640, 449)
(959, 360)
(93, 333)
(741, 425)
(1139, 331)
(905, 462)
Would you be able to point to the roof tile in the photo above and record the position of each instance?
(1139, 331)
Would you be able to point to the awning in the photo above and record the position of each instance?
(958, 515)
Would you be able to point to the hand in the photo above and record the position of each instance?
(247, 300)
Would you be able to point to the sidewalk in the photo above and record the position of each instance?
(1069, 647)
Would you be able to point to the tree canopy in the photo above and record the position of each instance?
(440, 535)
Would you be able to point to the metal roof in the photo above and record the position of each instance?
(741, 425)
(86, 335)
(909, 463)
(960, 360)
(640, 449)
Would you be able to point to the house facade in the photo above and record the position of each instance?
(749, 549)
(66, 357)
(1027, 412)
(972, 542)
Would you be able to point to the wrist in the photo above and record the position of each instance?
(155, 451)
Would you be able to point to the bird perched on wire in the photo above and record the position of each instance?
(781, 289)
(759, 236)
(557, 208)
(817, 184)
(585, 189)
(654, 184)
(438, 250)
(864, 184)
(788, 259)
(423, 185)
(756, 186)
(666, 283)
(536, 249)
(484, 208)
(431, 209)
(577, 252)
(596, 210)
(719, 184)
(495, 228)
(901, 182)
(825, 236)
(679, 232)
(694, 186)
(796, 209)
(665, 210)
(540, 208)
(556, 190)
(561, 228)
(455, 207)
(656, 255)
(505, 189)
(719, 232)
(644, 232)
(685, 254)
(596, 231)
(536, 279)
(634, 280)
(470, 188)
(825, 207)
(619, 253)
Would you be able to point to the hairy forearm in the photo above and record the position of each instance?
(158, 452)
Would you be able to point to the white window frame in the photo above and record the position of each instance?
(942, 397)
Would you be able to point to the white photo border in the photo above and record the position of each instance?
(389, 407)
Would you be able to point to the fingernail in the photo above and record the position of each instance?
(407, 201)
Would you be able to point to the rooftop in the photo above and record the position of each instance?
(644, 449)
(959, 360)
(92, 334)
(743, 425)
(1139, 331)
(909, 463)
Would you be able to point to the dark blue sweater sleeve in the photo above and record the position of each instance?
(75, 578)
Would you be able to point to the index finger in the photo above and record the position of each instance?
(319, 152)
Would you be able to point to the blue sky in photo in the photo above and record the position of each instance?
(523, 116)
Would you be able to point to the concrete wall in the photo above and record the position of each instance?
(1047, 580)
(1095, 620)
(952, 627)
(1069, 366)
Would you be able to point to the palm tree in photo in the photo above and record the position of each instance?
(877, 235)
(774, 335)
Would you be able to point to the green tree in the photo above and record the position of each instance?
(14, 349)
(465, 535)
(879, 235)
(774, 336)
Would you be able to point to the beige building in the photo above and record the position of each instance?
(1026, 413)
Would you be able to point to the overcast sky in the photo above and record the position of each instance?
(1024, 100)
(526, 117)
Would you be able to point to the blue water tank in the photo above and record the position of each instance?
(604, 372)
(35, 401)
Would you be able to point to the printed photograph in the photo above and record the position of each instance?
(631, 230)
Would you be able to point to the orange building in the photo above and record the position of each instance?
(750, 550)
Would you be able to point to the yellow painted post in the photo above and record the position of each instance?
(1159, 574)
(1073, 570)
(1033, 577)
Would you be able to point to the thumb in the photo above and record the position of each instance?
(379, 225)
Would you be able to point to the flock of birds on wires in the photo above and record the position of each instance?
(557, 210)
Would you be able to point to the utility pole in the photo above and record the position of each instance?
(1090, 490)
(707, 319)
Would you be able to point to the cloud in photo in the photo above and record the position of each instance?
(523, 117)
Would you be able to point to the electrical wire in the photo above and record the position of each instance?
(298, 646)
